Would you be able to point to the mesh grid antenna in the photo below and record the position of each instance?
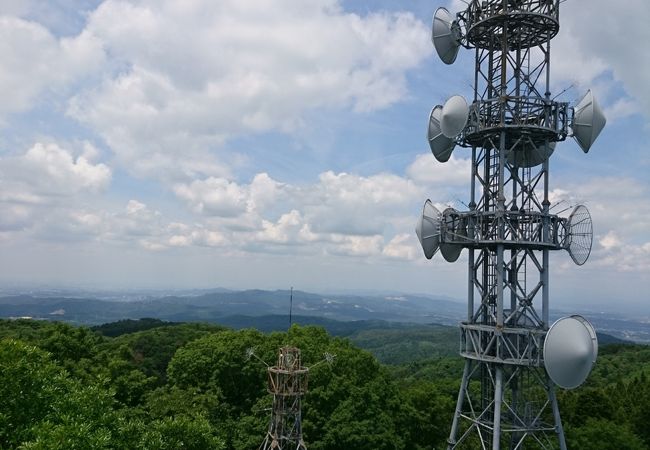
(512, 126)
(581, 235)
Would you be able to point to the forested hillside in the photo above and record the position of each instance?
(170, 386)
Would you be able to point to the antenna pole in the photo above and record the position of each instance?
(291, 307)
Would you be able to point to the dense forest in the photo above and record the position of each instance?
(153, 385)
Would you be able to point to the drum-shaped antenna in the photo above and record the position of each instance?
(580, 235)
(570, 350)
(450, 251)
(428, 229)
(445, 35)
(441, 145)
(588, 121)
(453, 117)
(530, 156)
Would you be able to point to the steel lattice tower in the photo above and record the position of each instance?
(506, 398)
(287, 383)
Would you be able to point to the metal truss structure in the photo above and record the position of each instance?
(287, 383)
(506, 398)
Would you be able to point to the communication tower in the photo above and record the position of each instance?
(287, 383)
(514, 358)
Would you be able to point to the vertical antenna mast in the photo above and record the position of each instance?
(513, 358)
(291, 307)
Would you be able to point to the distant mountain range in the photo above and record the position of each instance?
(215, 305)
(267, 310)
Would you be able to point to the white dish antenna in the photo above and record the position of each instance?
(445, 35)
(428, 229)
(453, 117)
(570, 351)
(581, 235)
(592, 333)
(531, 156)
(441, 145)
(450, 251)
(588, 121)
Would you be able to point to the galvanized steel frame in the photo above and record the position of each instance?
(506, 398)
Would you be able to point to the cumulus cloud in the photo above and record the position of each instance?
(223, 198)
(351, 204)
(47, 170)
(339, 213)
(214, 196)
(289, 227)
(34, 61)
(621, 219)
(39, 186)
(426, 170)
(136, 224)
(402, 246)
(598, 40)
(200, 73)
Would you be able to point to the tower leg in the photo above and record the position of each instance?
(498, 396)
(459, 406)
(556, 416)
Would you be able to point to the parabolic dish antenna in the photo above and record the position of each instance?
(453, 117)
(445, 35)
(428, 229)
(450, 251)
(570, 350)
(592, 333)
(588, 121)
(441, 145)
(530, 156)
(581, 235)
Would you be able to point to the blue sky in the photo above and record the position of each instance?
(276, 143)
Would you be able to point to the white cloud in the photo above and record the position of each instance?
(47, 170)
(426, 170)
(358, 245)
(621, 220)
(135, 225)
(622, 108)
(610, 241)
(56, 171)
(288, 228)
(351, 204)
(33, 61)
(214, 196)
(339, 214)
(598, 38)
(196, 74)
(403, 246)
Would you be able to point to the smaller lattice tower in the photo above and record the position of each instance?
(288, 384)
